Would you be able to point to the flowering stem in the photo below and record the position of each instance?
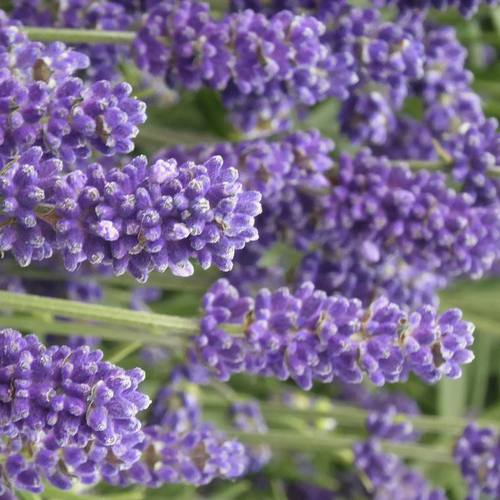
(70, 35)
(43, 326)
(158, 324)
(122, 352)
(321, 442)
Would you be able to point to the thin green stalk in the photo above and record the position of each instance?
(322, 442)
(123, 352)
(42, 326)
(70, 35)
(158, 324)
(54, 493)
(351, 416)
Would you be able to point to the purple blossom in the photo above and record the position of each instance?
(246, 416)
(390, 477)
(263, 66)
(309, 335)
(465, 7)
(388, 210)
(477, 453)
(134, 219)
(74, 412)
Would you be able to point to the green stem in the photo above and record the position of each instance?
(42, 326)
(322, 442)
(123, 351)
(351, 416)
(158, 324)
(56, 494)
(70, 35)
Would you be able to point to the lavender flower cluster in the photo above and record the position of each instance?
(75, 412)
(389, 477)
(45, 104)
(309, 335)
(134, 219)
(477, 453)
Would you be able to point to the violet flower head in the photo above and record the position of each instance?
(309, 335)
(75, 413)
(477, 453)
(134, 219)
(465, 7)
(390, 477)
(388, 210)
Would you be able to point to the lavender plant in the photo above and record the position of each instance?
(319, 218)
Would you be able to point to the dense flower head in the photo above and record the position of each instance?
(309, 335)
(465, 7)
(246, 416)
(389, 477)
(75, 413)
(386, 209)
(134, 219)
(197, 457)
(43, 103)
(477, 453)
(354, 276)
(179, 447)
(259, 63)
(104, 15)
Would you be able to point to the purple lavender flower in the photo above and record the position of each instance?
(246, 416)
(106, 15)
(308, 335)
(388, 210)
(389, 477)
(477, 453)
(75, 413)
(354, 276)
(197, 457)
(263, 66)
(133, 219)
(42, 102)
(465, 7)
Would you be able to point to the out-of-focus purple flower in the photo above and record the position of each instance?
(246, 416)
(477, 453)
(389, 477)
(104, 15)
(354, 276)
(308, 335)
(263, 66)
(388, 210)
(465, 7)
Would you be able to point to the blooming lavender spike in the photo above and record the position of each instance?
(392, 210)
(44, 104)
(477, 453)
(308, 335)
(72, 393)
(134, 219)
(465, 7)
(389, 477)
(64, 414)
(262, 65)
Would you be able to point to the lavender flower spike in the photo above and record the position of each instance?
(64, 414)
(134, 219)
(309, 335)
